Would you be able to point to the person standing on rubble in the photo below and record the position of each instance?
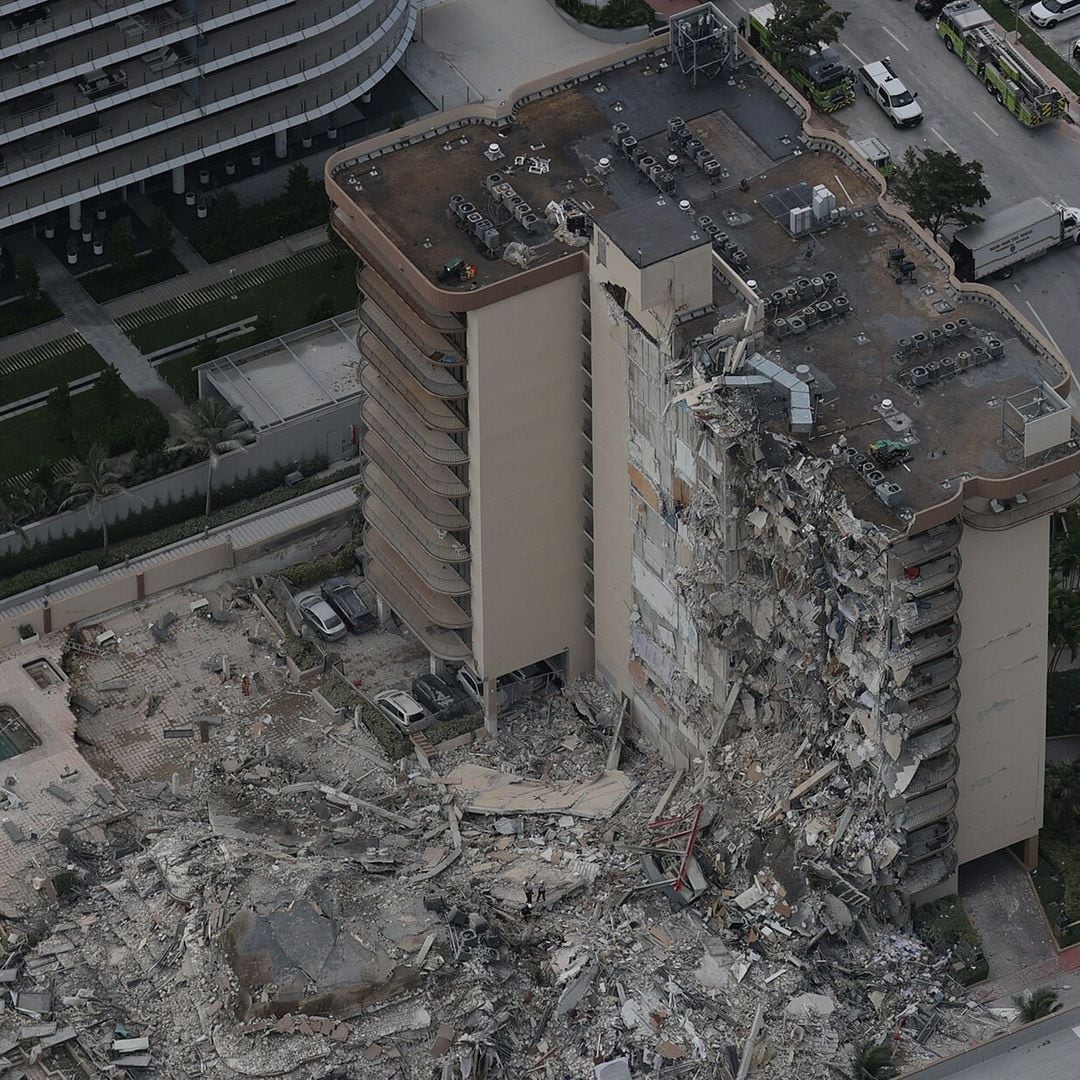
(526, 910)
(528, 893)
(541, 891)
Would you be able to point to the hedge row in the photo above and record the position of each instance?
(1064, 856)
(325, 566)
(147, 540)
(615, 15)
(343, 695)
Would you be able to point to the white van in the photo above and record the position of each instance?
(898, 103)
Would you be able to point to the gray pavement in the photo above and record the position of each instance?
(186, 255)
(97, 328)
(1002, 906)
(1063, 748)
(1046, 1050)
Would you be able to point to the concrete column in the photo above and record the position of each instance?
(438, 667)
(178, 180)
(281, 144)
(75, 216)
(1031, 852)
(382, 609)
(491, 707)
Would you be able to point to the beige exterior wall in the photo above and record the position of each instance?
(1002, 712)
(526, 476)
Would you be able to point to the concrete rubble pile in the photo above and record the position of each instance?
(303, 908)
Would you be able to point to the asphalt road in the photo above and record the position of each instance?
(962, 116)
(1047, 1050)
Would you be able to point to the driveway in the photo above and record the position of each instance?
(1003, 908)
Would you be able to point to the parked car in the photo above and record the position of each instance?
(473, 685)
(1076, 51)
(438, 696)
(1050, 12)
(930, 9)
(345, 600)
(318, 614)
(403, 711)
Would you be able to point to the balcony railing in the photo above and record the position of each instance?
(381, 504)
(930, 577)
(1017, 513)
(933, 741)
(933, 773)
(433, 375)
(921, 811)
(933, 871)
(371, 281)
(929, 611)
(438, 511)
(934, 709)
(928, 545)
(440, 642)
(380, 412)
(586, 359)
(435, 412)
(924, 647)
(440, 610)
(932, 677)
(437, 576)
(438, 479)
(934, 839)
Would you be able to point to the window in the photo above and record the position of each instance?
(601, 248)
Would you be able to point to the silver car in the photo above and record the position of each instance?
(320, 616)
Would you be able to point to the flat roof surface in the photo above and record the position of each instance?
(407, 192)
(956, 424)
(289, 376)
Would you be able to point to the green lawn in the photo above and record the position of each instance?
(22, 314)
(109, 283)
(179, 372)
(287, 299)
(1063, 702)
(28, 440)
(46, 374)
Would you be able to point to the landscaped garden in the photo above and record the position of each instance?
(38, 370)
(946, 928)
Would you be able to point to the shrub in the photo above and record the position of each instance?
(945, 927)
(319, 569)
(615, 15)
(343, 695)
(442, 730)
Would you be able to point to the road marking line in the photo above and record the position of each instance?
(1038, 318)
(943, 139)
(855, 54)
(983, 122)
(896, 39)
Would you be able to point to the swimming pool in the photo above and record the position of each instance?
(15, 736)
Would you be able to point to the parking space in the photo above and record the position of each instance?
(1060, 37)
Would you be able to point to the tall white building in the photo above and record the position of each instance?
(98, 95)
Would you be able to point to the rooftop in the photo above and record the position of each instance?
(552, 153)
(289, 376)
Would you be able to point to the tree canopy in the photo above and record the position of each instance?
(940, 188)
(802, 24)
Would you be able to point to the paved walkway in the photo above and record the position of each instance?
(35, 336)
(186, 255)
(1063, 748)
(1002, 906)
(217, 272)
(97, 327)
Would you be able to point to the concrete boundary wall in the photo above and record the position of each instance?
(601, 33)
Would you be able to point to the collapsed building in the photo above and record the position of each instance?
(661, 386)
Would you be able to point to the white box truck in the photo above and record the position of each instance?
(1017, 235)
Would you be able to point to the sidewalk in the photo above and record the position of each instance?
(35, 336)
(97, 327)
(211, 275)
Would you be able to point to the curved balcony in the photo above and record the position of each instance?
(381, 474)
(425, 328)
(931, 544)
(929, 611)
(438, 609)
(933, 871)
(439, 577)
(380, 503)
(919, 811)
(1015, 513)
(376, 360)
(933, 741)
(900, 776)
(925, 646)
(933, 773)
(440, 642)
(932, 676)
(931, 710)
(383, 411)
(430, 372)
(929, 577)
(438, 479)
(933, 840)
(372, 281)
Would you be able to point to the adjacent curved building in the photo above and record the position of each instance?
(97, 94)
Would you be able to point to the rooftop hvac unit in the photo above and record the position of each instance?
(666, 183)
(890, 494)
(675, 123)
(481, 226)
(824, 202)
(702, 155)
(655, 172)
(712, 168)
(493, 180)
(490, 238)
(704, 221)
(455, 202)
(474, 218)
(465, 209)
(799, 220)
(521, 210)
(679, 137)
(645, 162)
(638, 153)
(531, 223)
(712, 231)
(627, 144)
(620, 129)
(692, 146)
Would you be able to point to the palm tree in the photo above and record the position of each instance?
(873, 1061)
(209, 429)
(89, 483)
(11, 515)
(1061, 799)
(1064, 627)
(1065, 551)
(1037, 1003)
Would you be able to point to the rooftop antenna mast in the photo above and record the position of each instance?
(703, 42)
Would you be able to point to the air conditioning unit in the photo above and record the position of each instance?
(799, 220)
(890, 494)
